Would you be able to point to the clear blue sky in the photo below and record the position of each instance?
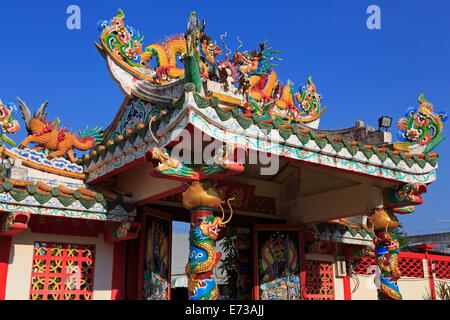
(361, 73)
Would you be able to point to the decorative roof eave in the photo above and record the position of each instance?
(29, 158)
(112, 155)
(337, 232)
(64, 212)
(133, 72)
(307, 146)
(134, 85)
(289, 142)
(40, 198)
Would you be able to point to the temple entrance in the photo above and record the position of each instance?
(279, 255)
(155, 259)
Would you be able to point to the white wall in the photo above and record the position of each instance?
(21, 259)
(410, 288)
(363, 287)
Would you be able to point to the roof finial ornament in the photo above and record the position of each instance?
(421, 127)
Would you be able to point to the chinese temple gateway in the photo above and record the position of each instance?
(213, 137)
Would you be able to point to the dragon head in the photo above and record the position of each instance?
(246, 61)
(211, 227)
(160, 159)
(208, 46)
(121, 40)
(422, 125)
(257, 61)
(408, 194)
(309, 99)
(7, 122)
(210, 49)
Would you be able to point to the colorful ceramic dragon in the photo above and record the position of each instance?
(167, 61)
(264, 88)
(202, 259)
(385, 224)
(48, 136)
(421, 127)
(122, 40)
(406, 195)
(125, 42)
(202, 200)
(164, 165)
(7, 124)
(166, 55)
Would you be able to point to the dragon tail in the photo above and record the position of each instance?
(95, 134)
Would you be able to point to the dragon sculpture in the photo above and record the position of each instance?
(123, 41)
(421, 127)
(126, 44)
(263, 87)
(164, 165)
(406, 195)
(7, 124)
(384, 223)
(260, 90)
(48, 136)
(202, 199)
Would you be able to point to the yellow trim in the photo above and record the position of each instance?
(46, 168)
(400, 147)
(317, 116)
(227, 99)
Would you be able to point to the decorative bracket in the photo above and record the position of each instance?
(122, 232)
(12, 223)
(409, 194)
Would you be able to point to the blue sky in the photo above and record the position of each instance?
(361, 73)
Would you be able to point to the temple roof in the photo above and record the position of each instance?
(162, 97)
(289, 141)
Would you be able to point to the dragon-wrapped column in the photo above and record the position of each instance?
(202, 201)
(385, 226)
(384, 223)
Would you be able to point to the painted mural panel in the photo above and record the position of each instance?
(278, 265)
(156, 259)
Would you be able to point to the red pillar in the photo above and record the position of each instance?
(5, 247)
(118, 273)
